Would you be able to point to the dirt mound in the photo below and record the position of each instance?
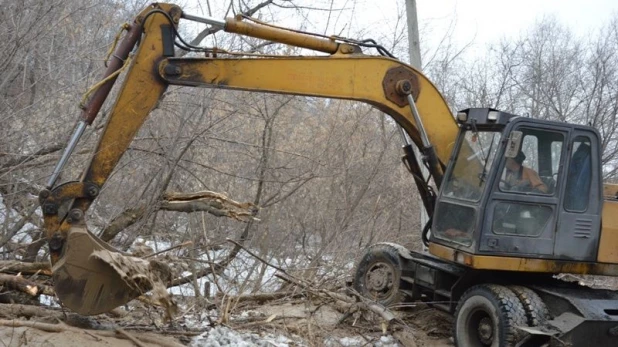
(33, 336)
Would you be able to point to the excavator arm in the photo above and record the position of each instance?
(88, 286)
(358, 77)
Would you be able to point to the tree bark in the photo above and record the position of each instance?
(14, 266)
(29, 311)
(24, 285)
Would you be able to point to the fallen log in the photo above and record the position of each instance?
(29, 311)
(264, 297)
(17, 282)
(14, 266)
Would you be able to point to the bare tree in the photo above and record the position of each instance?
(545, 73)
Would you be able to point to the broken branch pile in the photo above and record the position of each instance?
(351, 303)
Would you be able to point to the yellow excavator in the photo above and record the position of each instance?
(495, 243)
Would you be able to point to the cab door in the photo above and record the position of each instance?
(579, 225)
(521, 218)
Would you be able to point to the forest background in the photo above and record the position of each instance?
(326, 174)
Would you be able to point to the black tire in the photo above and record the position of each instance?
(487, 315)
(378, 275)
(535, 308)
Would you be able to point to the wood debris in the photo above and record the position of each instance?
(217, 204)
(15, 266)
(143, 276)
(18, 282)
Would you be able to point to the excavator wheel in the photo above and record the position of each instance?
(378, 275)
(488, 316)
(536, 310)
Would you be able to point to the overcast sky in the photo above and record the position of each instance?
(488, 20)
(472, 21)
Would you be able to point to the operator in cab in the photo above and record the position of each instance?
(521, 178)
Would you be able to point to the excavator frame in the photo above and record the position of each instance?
(86, 285)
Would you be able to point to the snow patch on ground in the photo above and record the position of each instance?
(243, 268)
(50, 301)
(384, 341)
(223, 337)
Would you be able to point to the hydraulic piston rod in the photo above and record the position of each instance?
(79, 131)
(238, 26)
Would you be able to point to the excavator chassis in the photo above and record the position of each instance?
(577, 315)
(582, 316)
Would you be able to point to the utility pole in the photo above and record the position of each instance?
(414, 45)
(415, 60)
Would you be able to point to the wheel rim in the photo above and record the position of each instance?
(481, 327)
(486, 330)
(380, 280)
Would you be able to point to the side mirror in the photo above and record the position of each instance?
(513, 145)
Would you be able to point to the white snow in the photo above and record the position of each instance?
(243, 269)
(222, 337)
(384, 341)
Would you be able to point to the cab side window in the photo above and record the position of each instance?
(579, 176)
(534, 171)
(535, 168)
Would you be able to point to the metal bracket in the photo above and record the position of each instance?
(390, 83)
(51, 200)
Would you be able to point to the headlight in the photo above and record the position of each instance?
(462, 117)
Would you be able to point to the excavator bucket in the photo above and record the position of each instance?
(86, 281)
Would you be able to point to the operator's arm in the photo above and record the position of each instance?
(534, 179)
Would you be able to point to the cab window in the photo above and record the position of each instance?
(535, 168)
(579, 176)
(472, 164)
(456, 213)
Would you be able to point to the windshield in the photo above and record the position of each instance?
(476, 155)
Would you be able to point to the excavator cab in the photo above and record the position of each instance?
(521, 187)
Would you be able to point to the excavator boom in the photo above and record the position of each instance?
(87, 285)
